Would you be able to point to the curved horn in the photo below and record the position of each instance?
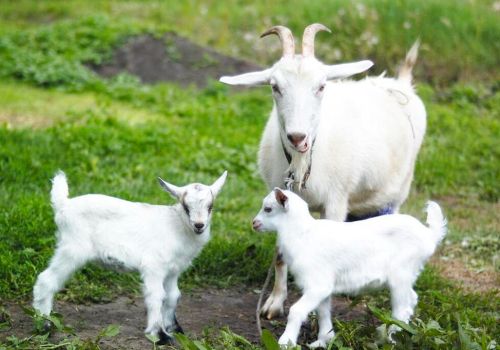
(286, 38)
(308, 38)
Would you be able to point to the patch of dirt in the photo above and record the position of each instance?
(197, 311)
(482, 281)
(469, 213)
(16, 119)
(171, 58)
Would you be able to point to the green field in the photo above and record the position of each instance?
(116, 136)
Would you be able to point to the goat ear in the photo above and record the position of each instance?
(249, 79)
(345, 70)
(217, 185)
(175, 191)
(281, 197)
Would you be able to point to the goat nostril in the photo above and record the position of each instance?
(296, 137)
(199, 226)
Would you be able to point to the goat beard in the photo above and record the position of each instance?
(298, 170)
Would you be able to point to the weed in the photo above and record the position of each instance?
(41, 340)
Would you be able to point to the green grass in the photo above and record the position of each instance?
(103, 152)
(116, 136)
(461, 39)
(186, 143)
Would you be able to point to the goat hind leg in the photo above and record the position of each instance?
(62, 265)
(154, 296)
(403, 300)
(273, 306)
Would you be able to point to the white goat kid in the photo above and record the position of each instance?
(159, 241)
(346, 147)
(328, 257)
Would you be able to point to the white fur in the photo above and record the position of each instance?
(367, 136)
(158, 241)
(328, 257)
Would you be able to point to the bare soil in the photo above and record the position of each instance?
(480, 281)
(208, 309)
(171, 58)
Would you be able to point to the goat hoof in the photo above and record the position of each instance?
(165, 339)
(317, 344)
(177, 326)
(178, 329)
(46, 327)
(273, 307)
(272, 313)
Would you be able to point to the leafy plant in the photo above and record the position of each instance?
(70, 341)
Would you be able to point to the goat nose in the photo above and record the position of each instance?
(256, 224)
(296, 137)
(199, 225)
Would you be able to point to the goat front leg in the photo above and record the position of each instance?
(154, 296)
(298, 314)
(170, 323)
(336, 209)
(326, 332)
(273, 306)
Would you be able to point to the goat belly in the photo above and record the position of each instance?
(114, 264)
(357, 284)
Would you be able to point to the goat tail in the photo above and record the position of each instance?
(436, 221)
(60, 192)
(405, 71)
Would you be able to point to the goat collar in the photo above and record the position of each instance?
(290, 179)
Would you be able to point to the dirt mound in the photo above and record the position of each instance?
(171, 58)
(197, 311)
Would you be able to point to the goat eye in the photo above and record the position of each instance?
(276, 89)
(210, 208)
(321, 88)
(268, 209)
(186, 209)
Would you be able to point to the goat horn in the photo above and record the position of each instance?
(308, 38)
(286, 38)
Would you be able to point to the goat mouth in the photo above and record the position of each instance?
(199, 231)
(257, 227)
(302, 148)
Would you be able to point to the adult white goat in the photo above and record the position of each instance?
(328, 257)
(346, 147)
(159, 241)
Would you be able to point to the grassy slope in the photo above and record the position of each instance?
(116, 137)
(461, 39)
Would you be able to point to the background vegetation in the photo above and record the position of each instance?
(115, 136)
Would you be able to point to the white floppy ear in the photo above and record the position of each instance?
(345, 70)
(217, 185)
(175, 191)
(249, 79)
